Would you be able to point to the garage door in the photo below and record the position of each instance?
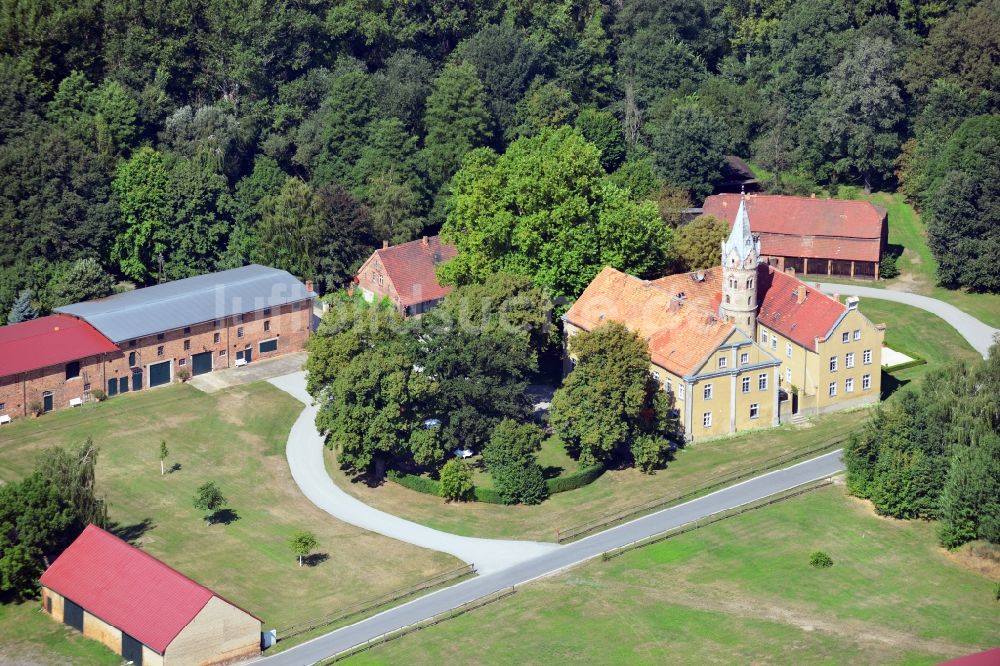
(201, 363)
(159, 374)
(72, 614)
(131, 650)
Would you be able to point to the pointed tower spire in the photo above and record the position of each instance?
(740, 256)
(741, 240)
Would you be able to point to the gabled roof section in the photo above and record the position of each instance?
(805, 226)
(412, 268)
(126, 587)
(680, 332)
(194, 300)
(47, 341)
(780, 309)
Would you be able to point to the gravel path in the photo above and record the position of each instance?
(305, 458)
(979, 335)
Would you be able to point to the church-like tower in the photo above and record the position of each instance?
(740, 255)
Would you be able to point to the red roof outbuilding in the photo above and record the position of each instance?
(126, 588)
(412, 269)
(48, 341)
(808, 227)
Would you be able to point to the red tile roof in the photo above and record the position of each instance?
(48, 341)
(126, 587)
(988, 658)
(807, 227)
(680, 338)
(411, 268)
(779, 309)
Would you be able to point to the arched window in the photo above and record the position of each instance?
(131, 359)
(727, 298)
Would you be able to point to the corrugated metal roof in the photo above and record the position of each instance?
(181, 303)
(127, 588)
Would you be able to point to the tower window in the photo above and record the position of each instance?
(727, 298)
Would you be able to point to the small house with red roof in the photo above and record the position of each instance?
(741, 345)
(809, 235)
(406, 275)
(48, 363)
(142, 609)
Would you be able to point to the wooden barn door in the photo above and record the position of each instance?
(72, 615)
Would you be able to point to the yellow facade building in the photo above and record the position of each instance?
(742, 345)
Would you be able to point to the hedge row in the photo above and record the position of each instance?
(907, 364)
(560, 484)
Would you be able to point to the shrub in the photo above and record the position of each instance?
(888, 268)
(421, 484)
(35, 408)
(99, 395)
(577, 479)
(456, 481)
(820, 560)
(183, 374)
(488, 496)
(520, 483)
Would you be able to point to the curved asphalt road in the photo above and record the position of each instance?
(305, 459)
(561, 557)
(979, 335)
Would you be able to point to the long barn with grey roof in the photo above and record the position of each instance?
(172, 331)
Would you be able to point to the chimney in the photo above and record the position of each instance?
(852, 302)
(801, 298)
(385, 244)
(424, 241)
(309, 285)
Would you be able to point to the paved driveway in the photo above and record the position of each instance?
(305, 458)
(217, 380)
(979, 335)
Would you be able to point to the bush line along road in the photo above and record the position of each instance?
(558, 559)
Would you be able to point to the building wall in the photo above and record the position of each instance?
(219, 634)
(17, 392)
(93, 627)
(375, 284)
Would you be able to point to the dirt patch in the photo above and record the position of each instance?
(983, 558)
(230, 406)
(867, 508)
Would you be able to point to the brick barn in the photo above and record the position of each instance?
(812, 236)
(144, 338)
(149, 613)
(406, 275)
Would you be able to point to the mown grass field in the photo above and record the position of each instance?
(236, 438)
(736, 592)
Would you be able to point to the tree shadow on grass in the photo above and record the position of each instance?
(176, 467)
(890, 384)
(552, 471)
(131, 533)
(225, 516)
(315, 559)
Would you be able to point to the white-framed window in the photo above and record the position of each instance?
(857, 334)
(849, 385)
(788, 375)
(866, 382)
(744, 358)
(381, 280)
(707, 392)
(754, 410)
(239, 332)
(706, 419)
(222, 352)
(762, 381)
(656, 376)
(723, 361)
(833, 364)
(680, 391)
(667, 386)
(216, 338)
(774, 343)
(182, 362)
(833, 389)
(845, 336)
(788, 349)
(849, 360)
(866, 357)
(763, 336)
(746, 384)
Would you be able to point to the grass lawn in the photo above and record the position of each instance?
(739, 591)
(236, 438)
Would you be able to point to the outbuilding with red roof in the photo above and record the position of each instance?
(406, 275)
(810, 235)
(48, 363)
(143, 609)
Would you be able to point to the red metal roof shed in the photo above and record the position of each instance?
(48, 341)
(126, 587)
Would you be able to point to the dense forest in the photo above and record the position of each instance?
(154, 140)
